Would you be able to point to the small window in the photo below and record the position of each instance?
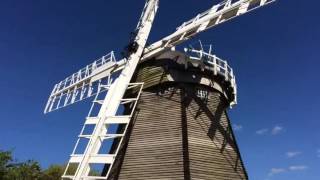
(202, 94)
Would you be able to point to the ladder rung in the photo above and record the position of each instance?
(117, 120)
(99, 158)
(92, 120)
(129, 99)
(111, 136)
(102, 159)
(105, 86)
(98, 101)
(106, 136)
(133, 85)
(67, 176)
(75, 158)
(85, 136)
(94, 177)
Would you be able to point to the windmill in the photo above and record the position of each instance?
(126, 105)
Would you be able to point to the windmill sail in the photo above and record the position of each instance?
(215, 83)
(82, 84)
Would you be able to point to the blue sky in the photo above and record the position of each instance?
(274, 51)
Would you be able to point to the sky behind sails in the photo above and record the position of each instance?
(274, 52)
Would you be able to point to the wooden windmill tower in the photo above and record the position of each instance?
(158, 113)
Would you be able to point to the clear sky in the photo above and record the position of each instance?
(274, 51)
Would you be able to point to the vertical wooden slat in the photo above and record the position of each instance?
(177, 135)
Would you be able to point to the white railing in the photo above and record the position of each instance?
(217, 65)
(214, 9)
(85, 72)
(229, 5)
(82, 84)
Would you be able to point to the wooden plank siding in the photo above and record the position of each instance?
(180, 130)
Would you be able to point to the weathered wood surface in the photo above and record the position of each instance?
(178, 134)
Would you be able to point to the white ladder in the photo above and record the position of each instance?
(110, 105)
(105, 159)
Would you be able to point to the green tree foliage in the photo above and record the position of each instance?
(10, 169)
(5, 158)
(54, 172)
(29, 170)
